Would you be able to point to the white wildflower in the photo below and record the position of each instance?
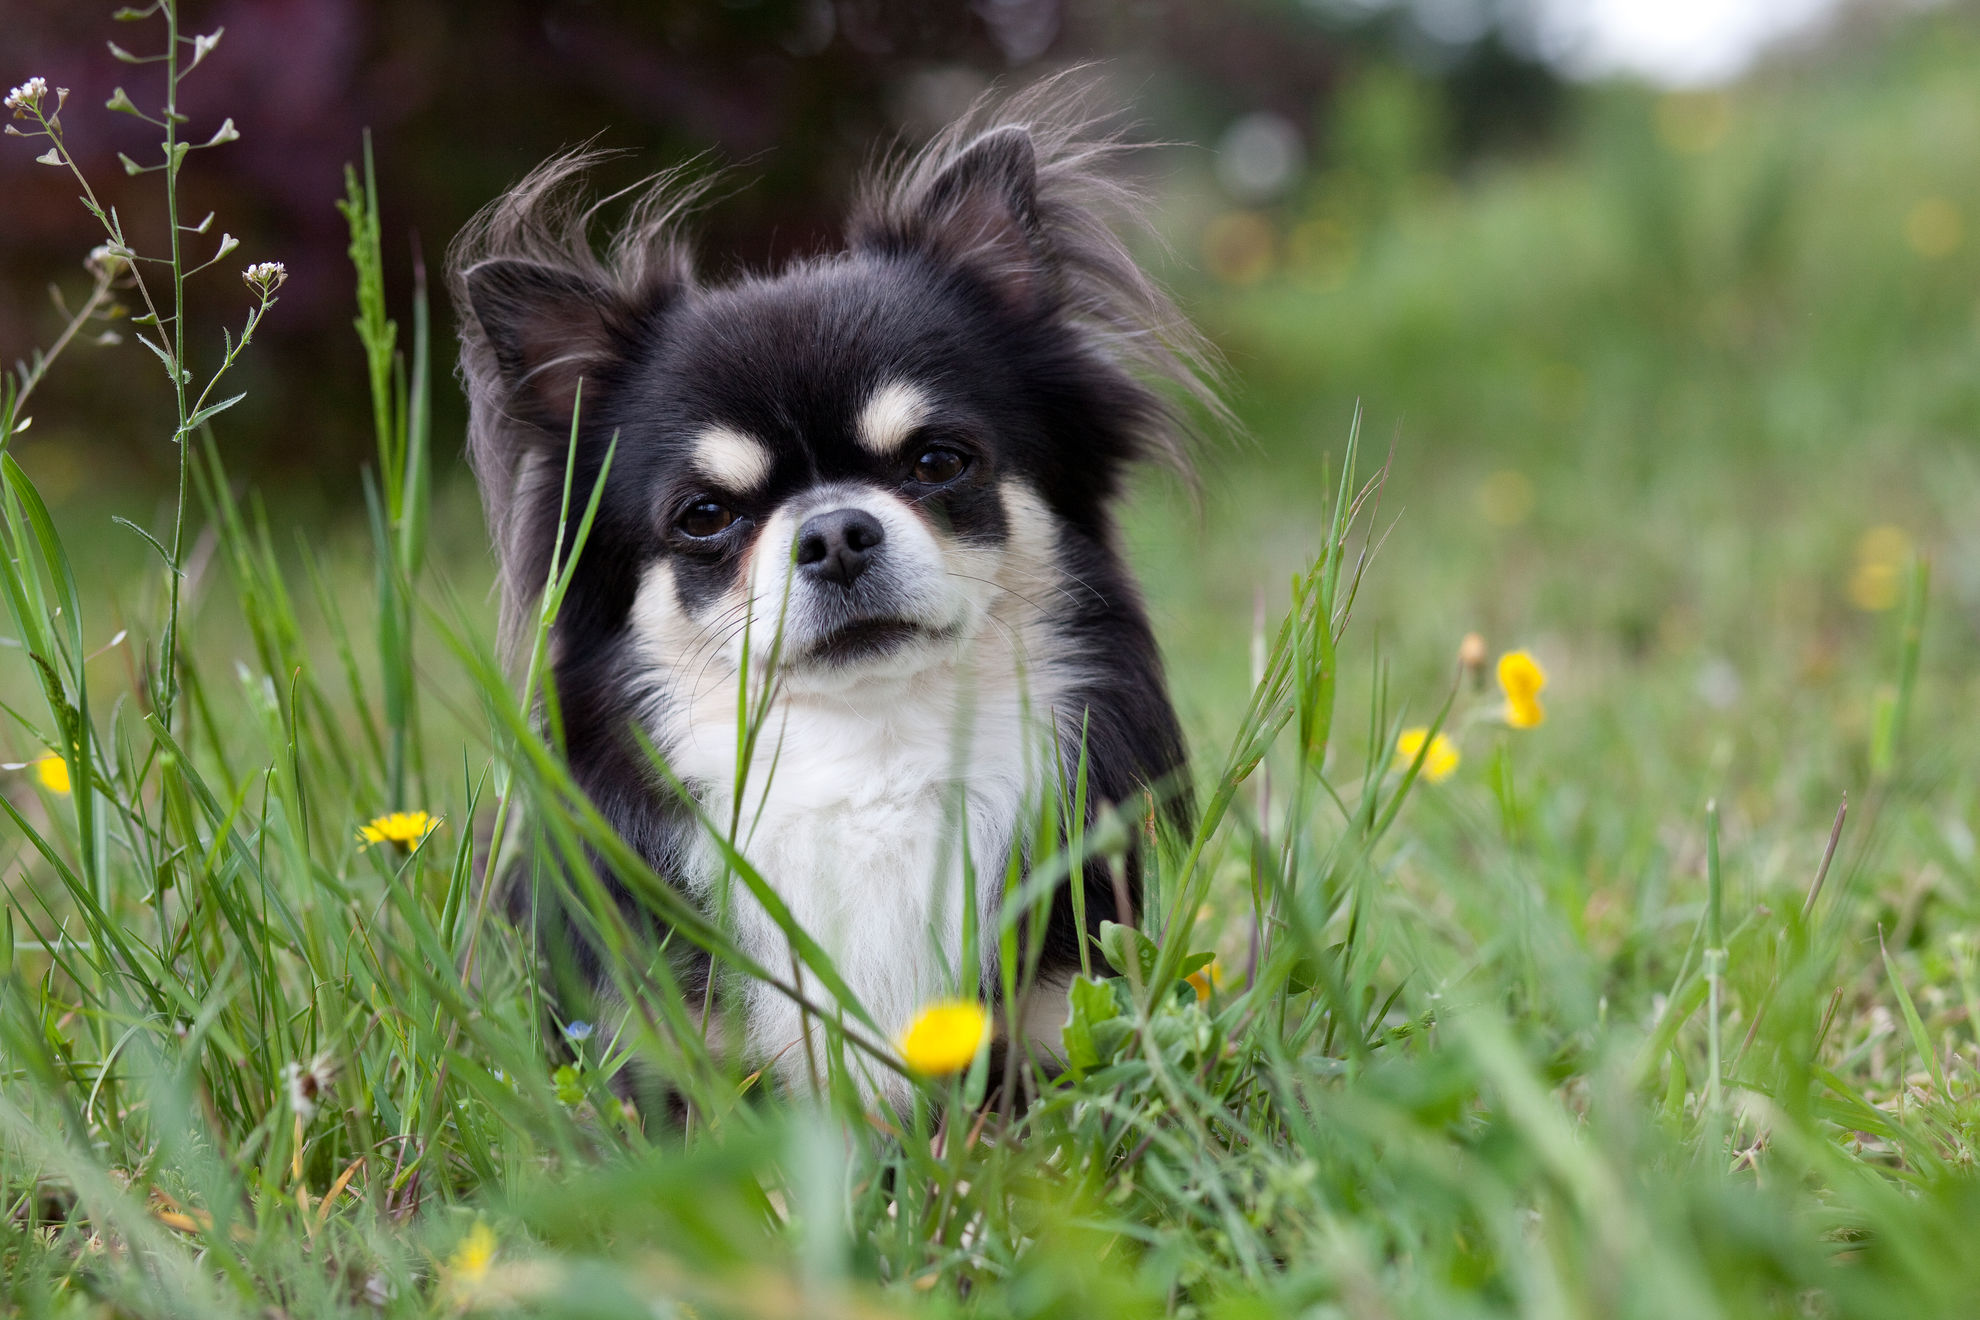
(264, 277)
(203, 46)
(307, 1084)
(26, 98)
(107, 261)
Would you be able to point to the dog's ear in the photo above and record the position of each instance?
(548, 329)
(980, 210)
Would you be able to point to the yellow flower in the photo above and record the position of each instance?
(1438, 762)
(944, 1037)
(404, 828)
(1878, 579)
(1206, 978)
(53, 772)
(1522, 678)
(468, 1265)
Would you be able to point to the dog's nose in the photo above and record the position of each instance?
(838, 546)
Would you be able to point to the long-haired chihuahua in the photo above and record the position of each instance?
(876, 489)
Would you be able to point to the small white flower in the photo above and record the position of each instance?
(264, 277)
(27, 97)
(107, 261)
(307, 1084)
(578, 1032)
(203, 46)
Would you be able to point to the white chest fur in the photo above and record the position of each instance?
(872, 793)
(862, 813)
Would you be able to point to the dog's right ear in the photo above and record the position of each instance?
(548, 329)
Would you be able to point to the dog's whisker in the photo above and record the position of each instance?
(1012, 591)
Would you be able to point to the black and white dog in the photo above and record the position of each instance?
(898, 464)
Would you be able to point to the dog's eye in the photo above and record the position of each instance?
(938, 467)
(706, 519)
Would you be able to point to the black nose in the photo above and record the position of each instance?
(838, 546)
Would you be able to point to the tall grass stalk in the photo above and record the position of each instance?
(1715, 964)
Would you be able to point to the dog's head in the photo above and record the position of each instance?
(860, 455)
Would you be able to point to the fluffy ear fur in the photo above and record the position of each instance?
(548, 328)
(1026, 193)
(539, 307)
(981, 211)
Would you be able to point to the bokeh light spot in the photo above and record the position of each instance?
(1238, 247)
(1933, 228)
(1876, 581)
(1260, 157)
(1506, 498)
(1692, 123)
(1322, 250)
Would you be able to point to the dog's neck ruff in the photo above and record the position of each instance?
(862, 808)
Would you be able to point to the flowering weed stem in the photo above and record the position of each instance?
(1715, 962)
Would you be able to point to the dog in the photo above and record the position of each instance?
(875, 490)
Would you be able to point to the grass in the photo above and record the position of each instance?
(1611, 1021)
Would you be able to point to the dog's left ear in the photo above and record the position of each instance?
(548, 328)
(979, 209)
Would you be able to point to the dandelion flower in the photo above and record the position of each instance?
(404, 828)
(469, 1264)
(1206, 978)
(26, 98)
(1522, 678)
(944, 1037)
(1438, 762)
(307, 1084)
(53, 772)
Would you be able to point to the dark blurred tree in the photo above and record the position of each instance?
(463, 96)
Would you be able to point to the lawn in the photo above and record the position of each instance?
(1615, 1016)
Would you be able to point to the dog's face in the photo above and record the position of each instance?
(864, 463)
(841, 458)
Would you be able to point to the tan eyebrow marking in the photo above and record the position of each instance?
(891, 416)
(735, 460)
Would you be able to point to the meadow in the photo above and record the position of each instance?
(1600, 1009)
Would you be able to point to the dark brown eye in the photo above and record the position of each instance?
(706, 519)
(938, 467)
